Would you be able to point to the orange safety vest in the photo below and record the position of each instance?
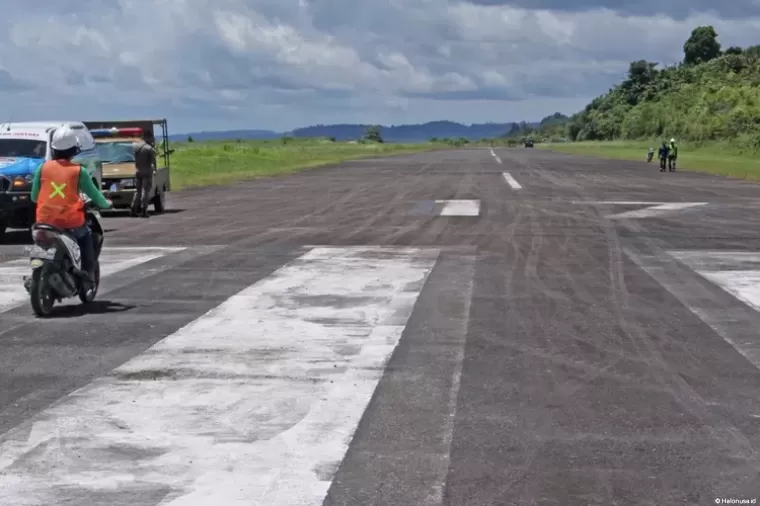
(59, 203)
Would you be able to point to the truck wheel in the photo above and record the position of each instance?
(159, 201)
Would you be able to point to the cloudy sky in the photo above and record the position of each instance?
(280, 64)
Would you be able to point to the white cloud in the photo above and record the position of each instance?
(284, 63)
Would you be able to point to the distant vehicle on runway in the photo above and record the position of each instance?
(528, 143)
(114, 143)
(23, 148)
(56, 263)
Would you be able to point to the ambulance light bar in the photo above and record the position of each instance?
(116, 132)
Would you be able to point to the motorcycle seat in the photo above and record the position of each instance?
(45, 238)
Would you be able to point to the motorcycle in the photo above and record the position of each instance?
(56, 263)
(649, 156)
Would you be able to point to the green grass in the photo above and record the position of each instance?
(717, 158)
(195, 164)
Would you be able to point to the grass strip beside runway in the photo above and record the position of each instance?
(720, 159)
(210, 163)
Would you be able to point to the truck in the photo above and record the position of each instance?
(24, 146)
(114, 141)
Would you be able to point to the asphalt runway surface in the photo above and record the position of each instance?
(464, 327)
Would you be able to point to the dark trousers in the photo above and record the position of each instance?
(83, 235)
(143, 185)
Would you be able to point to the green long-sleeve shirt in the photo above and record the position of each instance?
(85, 186)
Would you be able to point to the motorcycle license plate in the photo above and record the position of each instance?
(37, 252)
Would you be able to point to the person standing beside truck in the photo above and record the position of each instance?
(145, 164)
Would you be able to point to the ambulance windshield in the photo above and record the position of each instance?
(22, 148)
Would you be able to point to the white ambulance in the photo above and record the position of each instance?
(23, 147)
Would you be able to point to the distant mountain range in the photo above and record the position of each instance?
(396, 133)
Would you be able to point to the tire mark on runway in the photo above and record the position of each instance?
(399, 200)
(560, 392)
(717, 426)
(662, 371)
(671, 381)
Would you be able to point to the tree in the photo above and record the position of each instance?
(641, 72)
(190, 138)
(734, 50)
(372, 134)
(702, 46)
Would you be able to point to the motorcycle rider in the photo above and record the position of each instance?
(650, 155)
(56, 188)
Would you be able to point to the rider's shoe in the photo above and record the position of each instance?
(87, 277)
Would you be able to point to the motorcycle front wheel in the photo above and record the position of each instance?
(41, 293)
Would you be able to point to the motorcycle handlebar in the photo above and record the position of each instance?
(89, 204)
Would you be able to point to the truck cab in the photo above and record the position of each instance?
(114, 142)
(23, 147)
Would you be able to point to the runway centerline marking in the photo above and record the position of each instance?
(511, 181)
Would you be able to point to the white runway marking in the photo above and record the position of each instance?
(498, 160)
(112, 260)
(658, 210)
(619, 202)
(735, 273)
(511, 181)
(254, 403)
(459, 207)
(730, 270)
(654, 209)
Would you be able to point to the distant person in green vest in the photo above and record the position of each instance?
(672, 155)
(663, 153)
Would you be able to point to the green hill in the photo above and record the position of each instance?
(713, 95)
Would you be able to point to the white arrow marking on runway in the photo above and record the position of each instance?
(654, 209)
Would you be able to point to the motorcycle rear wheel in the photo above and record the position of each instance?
(87, 296)
(41, 293)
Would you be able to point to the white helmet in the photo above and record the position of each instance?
(672, 140)
(64, 138)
